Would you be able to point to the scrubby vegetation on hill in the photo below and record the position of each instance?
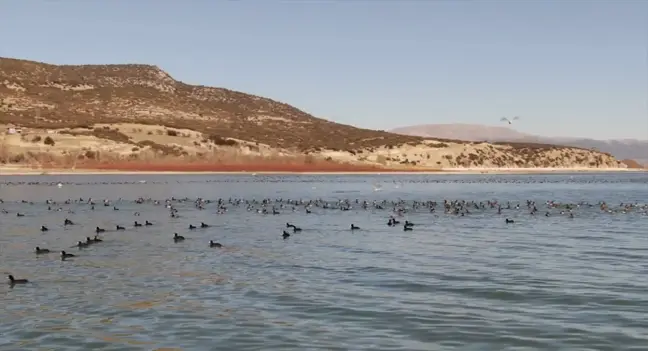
(86, 104)
(621, 149)
(39, 95)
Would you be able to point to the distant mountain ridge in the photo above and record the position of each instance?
(622, 149)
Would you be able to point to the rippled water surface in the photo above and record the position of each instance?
(455, 282)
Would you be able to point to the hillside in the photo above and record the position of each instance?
(48, 96)
(137, 113)
(622, 149)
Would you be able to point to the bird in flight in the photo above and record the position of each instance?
(510, 121)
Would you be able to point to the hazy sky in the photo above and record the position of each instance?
(569, 68)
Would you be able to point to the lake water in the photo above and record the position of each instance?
(455, 282)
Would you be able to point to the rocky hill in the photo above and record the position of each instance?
(136, 112)
(622, 149)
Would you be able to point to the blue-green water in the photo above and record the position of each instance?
(455, 282)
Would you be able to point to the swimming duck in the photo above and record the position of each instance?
(41, 251)
(13, 280)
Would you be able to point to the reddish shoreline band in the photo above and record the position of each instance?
(129, 166)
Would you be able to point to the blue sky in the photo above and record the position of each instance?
(569, 68)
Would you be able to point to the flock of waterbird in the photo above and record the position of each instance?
(412, 179)
(397, 210)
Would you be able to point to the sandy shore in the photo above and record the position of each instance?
(18, 171)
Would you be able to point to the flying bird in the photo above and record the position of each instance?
(510, 121)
